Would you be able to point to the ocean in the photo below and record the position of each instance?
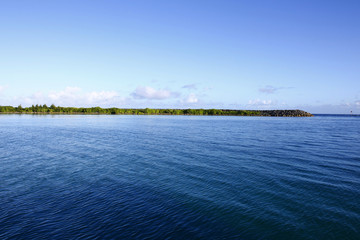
(179, 177)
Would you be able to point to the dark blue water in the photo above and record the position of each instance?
(179, 177)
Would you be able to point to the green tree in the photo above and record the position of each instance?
(19, 108)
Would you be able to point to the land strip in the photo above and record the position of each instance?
(44, 109)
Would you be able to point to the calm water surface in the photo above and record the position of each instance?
(179, 177)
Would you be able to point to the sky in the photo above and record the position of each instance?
(182, 54)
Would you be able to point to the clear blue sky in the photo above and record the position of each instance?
(179, 54)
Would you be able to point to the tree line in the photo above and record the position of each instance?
(44, 109)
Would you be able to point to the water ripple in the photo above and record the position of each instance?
(183, 177)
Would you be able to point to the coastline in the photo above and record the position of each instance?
(44, 110)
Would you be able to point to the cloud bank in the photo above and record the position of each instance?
(77, 96)
(71, 96)
(143, 97)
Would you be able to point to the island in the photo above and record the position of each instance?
(44, 109)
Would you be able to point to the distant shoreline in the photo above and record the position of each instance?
(57, 110)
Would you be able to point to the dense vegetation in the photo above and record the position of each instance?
(43, 109)
(98, 110)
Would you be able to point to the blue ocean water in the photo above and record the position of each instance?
(179, 177)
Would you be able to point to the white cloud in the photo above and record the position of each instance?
(191, 99)
(264, 104)
(74, 95)
(153, 94)
(102, 96)
(69, 93)
(258, 102)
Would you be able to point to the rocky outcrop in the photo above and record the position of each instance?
(284, 113)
